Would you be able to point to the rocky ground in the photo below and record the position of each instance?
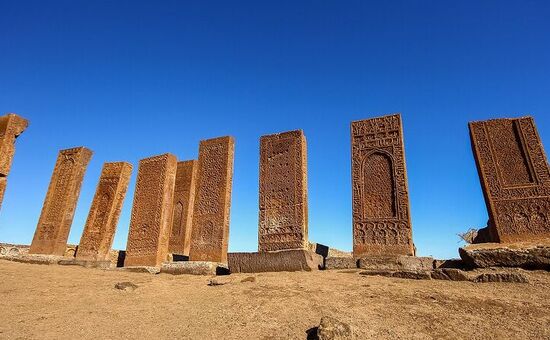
(61, 302)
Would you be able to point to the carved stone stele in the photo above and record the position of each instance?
(210, 231)
(151, 218)
(381, 218)
(11, 126)
(60, 203)
(182, 216)
(102, 221)
(515, 178)
(283, 192)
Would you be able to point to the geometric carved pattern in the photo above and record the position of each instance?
(57, 213)
(151, 217)
(515, 178)
(283, 192)
(380, 199)
(210, 230)
(11, 126)
(184, 197)
(100, 228)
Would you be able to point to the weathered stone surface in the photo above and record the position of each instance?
(99, 231)
(34, 258)
(523, 255)
(126, 286)
(333, 329)
(347, 262)
(151, 218)
(276, 261)
(283, 192)
(194, 268)
(11, 126)
(501, 277)
(515, 178)
(451, 274)
(60, 203)
(141, 269)
(210, 231)
(85, 263)
(400, 274)
(70, 251)
(381, 218)
(184, 198)
(396, 262)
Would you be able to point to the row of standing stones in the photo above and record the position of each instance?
(180, 214)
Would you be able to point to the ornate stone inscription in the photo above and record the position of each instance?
(283, 192)
(151, 218)
(60, 203)
(100, 228)
(381, 219)
(514, 174)
(182, 216)
(210, 231)
(11, 126)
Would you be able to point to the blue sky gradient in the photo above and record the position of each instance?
(132, 79)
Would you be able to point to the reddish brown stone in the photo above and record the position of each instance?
(283, 192)
(381, 218)
(184, 198)
(514, 174)
(60, 203)
(152, 212)
(11, 126)
(100, 228)
(210, 231)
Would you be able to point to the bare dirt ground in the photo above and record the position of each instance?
(59, 302)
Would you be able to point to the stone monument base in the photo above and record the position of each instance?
(85, 263)
(340, 262)
(276, 261)
(525, 255)
(396, 262)
(140, 269)
(194, 268)
(34, 258)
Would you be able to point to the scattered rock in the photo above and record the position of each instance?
(216, 282)
(126, 286)
(451, 274)
(332, 329)
(347, 262)
(501, 277)
(249, 279)
(521, 255)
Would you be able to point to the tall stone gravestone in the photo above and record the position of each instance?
(283, 192)
(184, 197)
(11, 126)
(151, 218)
(100, 227)
(514, 174)
(210, 231)
(60, 203)
(381, 219)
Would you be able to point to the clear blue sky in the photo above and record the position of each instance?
(131, 79)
